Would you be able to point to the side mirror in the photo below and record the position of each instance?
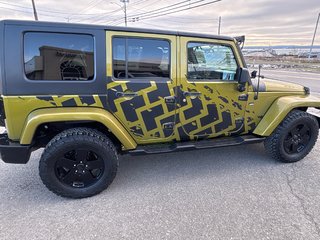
(243, 79)
(254, 74)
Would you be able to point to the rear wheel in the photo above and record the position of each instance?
(294, 138)
(78, 163)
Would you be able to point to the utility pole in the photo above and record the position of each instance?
(34, 11)
(219, 28)
(314, 35)
(125, 11)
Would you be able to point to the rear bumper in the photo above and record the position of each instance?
(12, 152)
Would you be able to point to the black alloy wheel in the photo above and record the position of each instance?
(78, 163)
(79, 168)
(297, 138)
(294, 138)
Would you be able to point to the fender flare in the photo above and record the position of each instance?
(47, 115)
(280, 109)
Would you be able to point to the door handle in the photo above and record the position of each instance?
(243, 97)
(126, 94)
(170, 99)
(191, 94)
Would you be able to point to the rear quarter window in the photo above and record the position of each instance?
(58, 56)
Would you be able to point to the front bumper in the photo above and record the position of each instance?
(13, 152)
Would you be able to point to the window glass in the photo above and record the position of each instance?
(55, 56)
(140, 58)
(211, 61)
(119, 57)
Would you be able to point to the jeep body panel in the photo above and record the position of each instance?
(22, 106)
(216, 112)
(15, 82)
(139, 110)
(145, 114)
(277, 86)
(41, 116)
(269, 92)
(57, 109)
(279, 110)
(219, 109)
(22, 96)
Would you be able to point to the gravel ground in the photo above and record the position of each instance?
(226, 193)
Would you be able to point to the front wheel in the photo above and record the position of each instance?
(78, 163)
(294, 138)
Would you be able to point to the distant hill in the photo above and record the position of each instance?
(281, 47)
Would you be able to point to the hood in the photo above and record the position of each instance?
(267, 85)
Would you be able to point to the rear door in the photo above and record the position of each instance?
(142, 77)
(210, 104)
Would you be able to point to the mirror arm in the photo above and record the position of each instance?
(241, 87)
(256, 96)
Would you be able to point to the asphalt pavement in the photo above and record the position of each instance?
(226, 193)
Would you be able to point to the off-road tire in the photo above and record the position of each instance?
(83, 138)
(275, 143)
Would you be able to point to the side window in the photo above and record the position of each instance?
(58, 56)
(140, 58)
(211, 61)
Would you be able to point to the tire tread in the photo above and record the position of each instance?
(272, 142)
(75, 134)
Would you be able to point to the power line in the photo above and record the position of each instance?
(151, 3)
(17, 10)
(99, 18)
(162, 26)
(139, 2)
(30, 12)
(51, 11)
(25, 9)
(166, 8)
(185, 19)
(91, 5)
(170, 11)
(176, 11)
(116, 22)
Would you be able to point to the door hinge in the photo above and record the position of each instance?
(170, 99)
(168, 125)
(243, 97)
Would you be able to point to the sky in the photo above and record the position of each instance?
(264, 22)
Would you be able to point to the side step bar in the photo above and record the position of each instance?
(192, 145)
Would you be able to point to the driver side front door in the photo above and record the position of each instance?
(210, 104)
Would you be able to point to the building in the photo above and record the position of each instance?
(60, 64)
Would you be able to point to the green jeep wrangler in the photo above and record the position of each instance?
(88, 93)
